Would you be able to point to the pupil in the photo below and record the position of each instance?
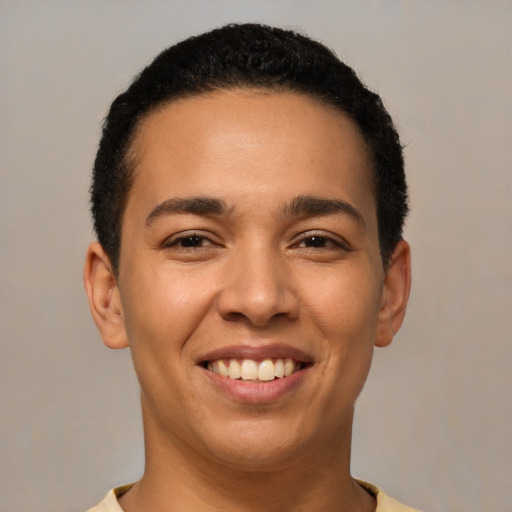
(191, 241)
(316, 241)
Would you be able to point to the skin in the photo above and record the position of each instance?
(256, 275)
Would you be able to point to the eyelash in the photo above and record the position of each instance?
(174, 241)
(325, 239)
(326, 242)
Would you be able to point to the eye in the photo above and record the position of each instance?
(188, 241)
(191, 246)
(316, 242)
(322, 241)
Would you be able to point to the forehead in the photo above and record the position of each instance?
(249, 142)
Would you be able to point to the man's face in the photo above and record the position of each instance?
(249, 236)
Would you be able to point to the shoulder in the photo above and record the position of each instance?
(109, 502)
(384, 502)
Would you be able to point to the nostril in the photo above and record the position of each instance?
(234, 316)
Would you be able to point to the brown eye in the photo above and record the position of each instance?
(321, 241)
(188, 241)
(316, 241)
(191, 241)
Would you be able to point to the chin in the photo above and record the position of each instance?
(257, 446)
(262, 458)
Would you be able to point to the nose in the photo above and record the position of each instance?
(258, 289)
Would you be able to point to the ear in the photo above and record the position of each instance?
(395, 294)
(104, 299)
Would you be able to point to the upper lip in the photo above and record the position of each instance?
(257, 352)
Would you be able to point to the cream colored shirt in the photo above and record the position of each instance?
(384, 503)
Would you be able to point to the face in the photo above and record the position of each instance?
(250, 246)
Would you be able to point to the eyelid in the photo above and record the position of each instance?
(173, 240)
(337, 240)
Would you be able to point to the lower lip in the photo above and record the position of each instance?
(255, 392)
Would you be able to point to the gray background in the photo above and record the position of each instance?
(433, 426)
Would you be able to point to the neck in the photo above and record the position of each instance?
(179, 478)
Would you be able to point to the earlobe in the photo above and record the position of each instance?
(395, 294)
(104, 299)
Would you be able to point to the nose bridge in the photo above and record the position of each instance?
(258, 285)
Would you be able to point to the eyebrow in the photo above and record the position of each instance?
(300, 206)
(193, 205)
(312, 206)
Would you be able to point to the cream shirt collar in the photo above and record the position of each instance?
(384, 503)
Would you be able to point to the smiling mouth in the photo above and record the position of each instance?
(251, 370)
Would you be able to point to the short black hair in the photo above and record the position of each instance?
(246, 56)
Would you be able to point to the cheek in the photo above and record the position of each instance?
(163, 309)
(344, 310)
(346, 304)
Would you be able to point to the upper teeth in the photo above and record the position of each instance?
(248, 369)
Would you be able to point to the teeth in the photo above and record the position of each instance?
(248, 369)
(234, 369)
(279, 368)
(223, 369)
(288, 367)
(266, 370)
